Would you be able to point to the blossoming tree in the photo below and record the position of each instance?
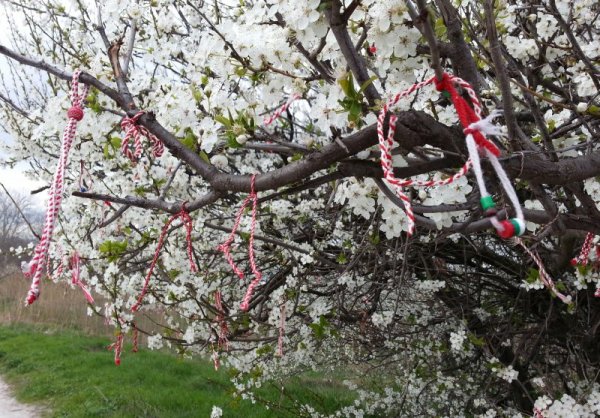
(272, 105)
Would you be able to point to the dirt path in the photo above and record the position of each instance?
(11, 408)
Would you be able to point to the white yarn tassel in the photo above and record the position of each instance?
(508, 187)
(486, 127)
(474, 156)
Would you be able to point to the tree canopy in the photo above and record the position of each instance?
(453, 319)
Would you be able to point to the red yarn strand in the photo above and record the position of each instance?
(187, 222)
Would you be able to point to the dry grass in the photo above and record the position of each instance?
(60, 306)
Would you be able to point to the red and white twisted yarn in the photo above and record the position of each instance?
(136, 337)
(474, 128)
(222, 342)
(282, 109)
(281, 329)
(76, 279)
(225, 247)
(583, 257)
(117, 347)
(135, 132)
(544, 276)
(386, 143)
(187, 222)
(75, 114)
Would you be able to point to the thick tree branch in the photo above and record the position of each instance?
(354, 60)
(460, 54)
(159, 204)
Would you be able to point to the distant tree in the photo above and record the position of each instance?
(453, 320)
(16, 210)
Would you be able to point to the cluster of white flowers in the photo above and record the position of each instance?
(216, 412)
(507, 373)
(567, 406)
(457, 340)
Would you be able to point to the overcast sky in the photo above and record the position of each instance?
(15, 179)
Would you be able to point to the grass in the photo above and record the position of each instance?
(53, 354)
(73, 375)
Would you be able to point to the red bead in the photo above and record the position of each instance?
(76, 113)
(508, 230)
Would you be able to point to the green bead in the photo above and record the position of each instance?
(518, 226)
(487, 202)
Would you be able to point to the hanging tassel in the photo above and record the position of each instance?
(55, 195)
(187, 222)
(225, 248)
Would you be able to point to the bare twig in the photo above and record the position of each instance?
(130, 44)
(422, 22)
(20, 212)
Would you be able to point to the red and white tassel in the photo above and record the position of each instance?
(187, 223)
(76, 279)
(135, 132)
(225, 248)
(75, 114)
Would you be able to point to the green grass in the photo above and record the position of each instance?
(73, 375)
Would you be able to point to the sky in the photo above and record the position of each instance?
(15, 179)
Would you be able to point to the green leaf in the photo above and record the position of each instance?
(204, 157)
(367, 83)
(344, 85)
(532, 275)
(106, 153)
(477, 342)
(115, 142)
(190, 140)
(583, 270)
(232, 142)
(223, 121)
(375, 238)
(355, 112)
(113, 249)
(347, 85)
(593, 110)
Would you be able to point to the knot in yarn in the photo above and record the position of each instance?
(75, 112)
(445, 84)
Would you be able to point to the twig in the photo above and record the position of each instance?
(354, 60)
(20, 212)
(500, 70)
(279, 243)
(130, 44)
(421, 21)
(173, 208)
